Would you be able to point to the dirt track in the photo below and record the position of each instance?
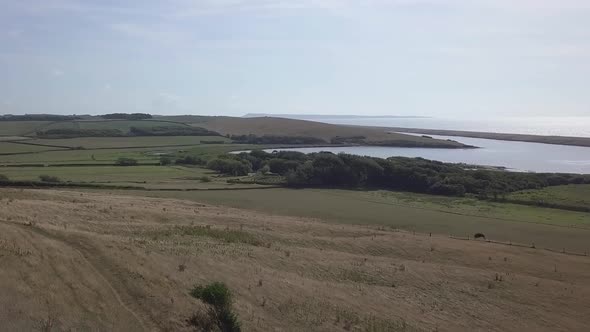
(122, 263)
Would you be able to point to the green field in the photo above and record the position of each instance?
(20, 128)
(130, 142)
(572, 195)
(7, 147)
(108, 156)
(122, 125)
(151, 177)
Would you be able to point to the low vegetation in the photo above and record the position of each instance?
(73, 133)
(133, 131)
(49, 178)
(190, 160)
(38, 117)
(230, 166)
(126, 116)
(171, 131)
(220, 315)
(272, 139)
(123, 161)
(574, 197)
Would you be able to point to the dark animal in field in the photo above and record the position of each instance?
(479, 236)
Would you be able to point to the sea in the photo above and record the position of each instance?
(516, 156)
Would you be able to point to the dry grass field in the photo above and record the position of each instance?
(89, 261)
(289, 127)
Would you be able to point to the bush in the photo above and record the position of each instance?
(126, 116)
(3, 177)
(447, 189)
(272, 139)
(205, 179)
(171, 131)
(122, 161)
(282, 166)
(190, 160)
(219, 299)
(264, 170)
(49, 178)
(230, 166)
(73, 133)
(165, 160)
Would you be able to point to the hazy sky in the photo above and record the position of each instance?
(396, 57)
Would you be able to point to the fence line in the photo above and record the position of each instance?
(510, 243)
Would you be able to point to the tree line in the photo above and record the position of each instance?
(398, 173)
(127, 116)
(38, 117)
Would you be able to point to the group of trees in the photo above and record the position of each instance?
(183, 160)
(38, 117)
(273, 139)
(126, 116)
(230, 165)
(73, 133)
(400, 173)
(133, 131)
(171, 131)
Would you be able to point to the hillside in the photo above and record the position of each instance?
(290, 127)
(123, 263)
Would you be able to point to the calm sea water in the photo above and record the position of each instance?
(560, 126)
(518, 156)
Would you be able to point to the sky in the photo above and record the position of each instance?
(444, 58)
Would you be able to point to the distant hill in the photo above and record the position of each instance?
(325, 116)
(331, 133)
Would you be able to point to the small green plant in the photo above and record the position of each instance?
(220, 314)
(205, 179)
(3, 177)
(49, 178)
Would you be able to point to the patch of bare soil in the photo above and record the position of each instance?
(73, 261)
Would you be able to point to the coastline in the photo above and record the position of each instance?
(555, 140)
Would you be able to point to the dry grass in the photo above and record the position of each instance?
(290, 127)
(128, 263)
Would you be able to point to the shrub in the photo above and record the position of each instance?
(126, 116)
(49, 178)
(190, 160)
(219, 299)
(171, 131)
(230, 166)
(272, 139)
(282, 166)
(264, 170)
(72, 133)
(205, 179)
(440, 188)
(165, 160)
(216, 294)
(123, 161)
(3, 177)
